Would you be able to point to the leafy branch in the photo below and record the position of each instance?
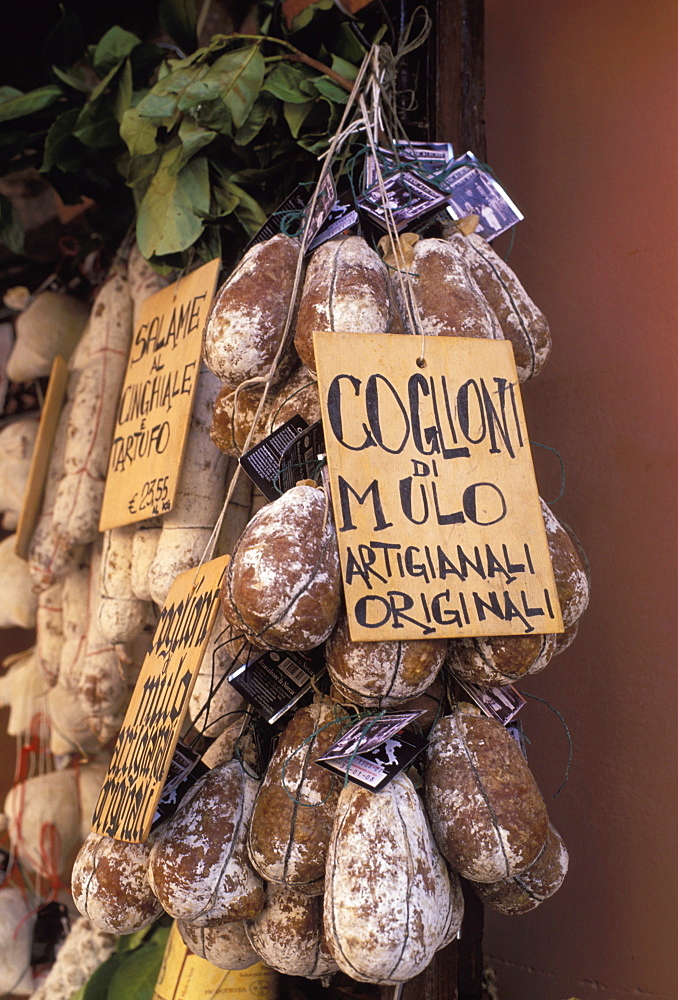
(201, 149)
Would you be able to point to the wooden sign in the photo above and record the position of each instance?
(186, 976)
(155, 405)
(438, 517)
(149, 734)
(42, 452)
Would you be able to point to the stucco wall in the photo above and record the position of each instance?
(582, 127)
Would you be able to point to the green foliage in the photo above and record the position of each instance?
(11, 232)
(178, 18)
(132, 970)
(18, 105)
(207, 145)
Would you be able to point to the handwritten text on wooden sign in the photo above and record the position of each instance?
(149, 734)
(438, 517)
(155, 404)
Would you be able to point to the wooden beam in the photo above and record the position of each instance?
(459, 89)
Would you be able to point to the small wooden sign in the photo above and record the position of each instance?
(435, 499)
(42, 452)
(155, 405)
(149, 734)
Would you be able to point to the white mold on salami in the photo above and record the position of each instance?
(444, 297)
(110, 884)
(381, 674)
(225, 945)
(389, 900)
(569, 568)
(521, 321)
(288, 934)
(198, 867)
(283, 585)
(486, 811)
(247, 321)
(292, 819)
(347, 290)
(526, 891)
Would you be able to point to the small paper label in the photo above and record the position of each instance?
(342, 217)
(370, 733)
(262, 463)
(430, 157)
(184, 771)
(375, 768)
(49, 932)
(473, 191)
(276, 680)
(409, 198)
(287, 212)
(502, 703)
(290, 215)
(301, 459)
(515, 729)
(324, 203)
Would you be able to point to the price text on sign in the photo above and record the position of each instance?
(155, 404)
(149, 734)
(438, 517)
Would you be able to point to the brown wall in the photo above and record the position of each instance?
(582, 127)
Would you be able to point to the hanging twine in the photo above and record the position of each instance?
(344, 722)
(570, 747)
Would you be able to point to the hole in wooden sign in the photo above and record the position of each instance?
(421, 362)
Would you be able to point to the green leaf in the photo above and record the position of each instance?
(346, 44)
(178, 18)
(193, 139)
(328, 88)
(305, 16)
(214, 115)
(27, 104)
(97, 126)
(96, 987)
(248, 211)
(263, 110)
(113, 48)
(136, 974)
(60, 142)
(123, 98)
(11, 230)
(103, 84)
(6, 92)
(285, 82)
(141, 168)
(72, 80)
(209, 245)
(296, 115)
(130, 942)
(65, 42)
(238, 76)
(166, 220)
(344, 68)
(162, 101)
(138, 134)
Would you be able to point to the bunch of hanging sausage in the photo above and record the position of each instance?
(290, 866)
